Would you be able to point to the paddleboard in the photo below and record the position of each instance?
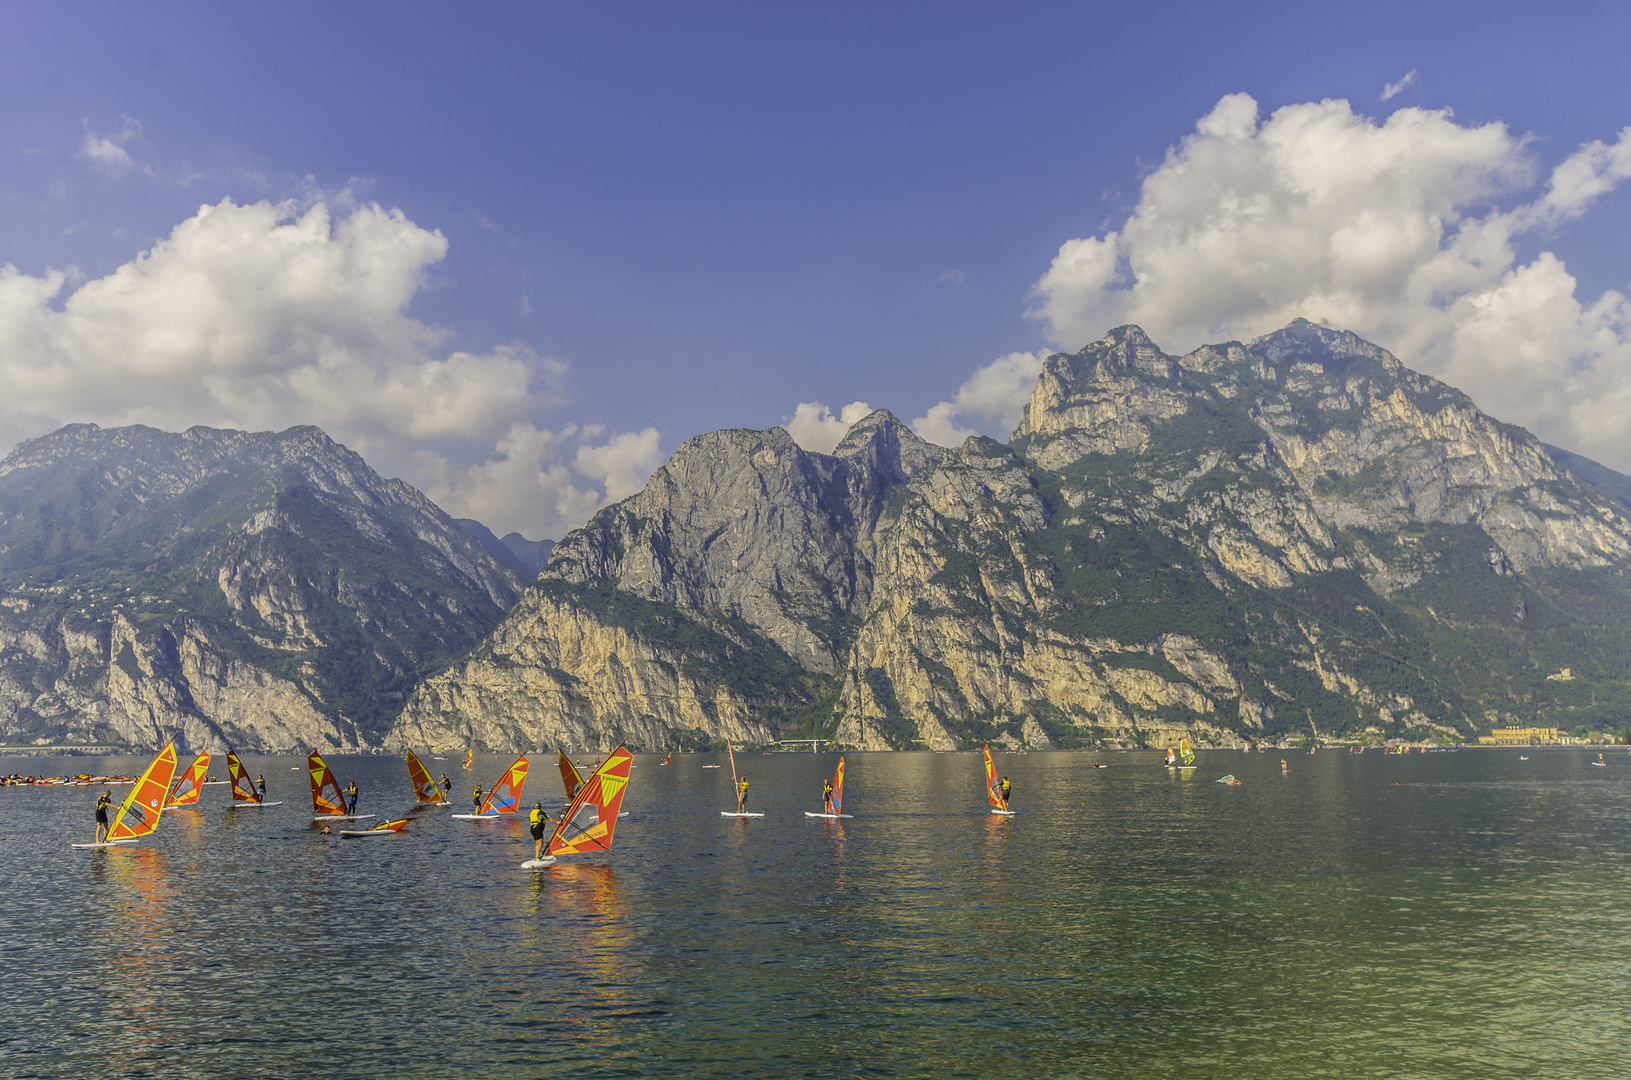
(251, 805)
(538, 864)
(730, 813)
(829, 817)
(713, 766)
(1601, 764)
(109, 843)
(352, 834)
(1004, 813)
(1188, 768)
(341, 817)
(481, 817)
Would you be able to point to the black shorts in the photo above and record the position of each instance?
(538, 832)
(101, 817)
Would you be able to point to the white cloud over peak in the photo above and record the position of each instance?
(990, 403)
(1402, 230)
(815, 428)
(263, 316)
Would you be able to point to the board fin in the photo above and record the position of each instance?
(505, 798)
(571, 779)
(140, 812)
(190, 784)
(325, 790)
(604, 791)
(425, 789)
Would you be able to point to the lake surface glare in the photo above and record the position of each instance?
(1435, 915)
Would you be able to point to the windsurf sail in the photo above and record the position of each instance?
(604, 791)
(838, 787)
(669, 760)
(425, 789)
(736, 785)
(1186, 751)
(505, 798)
(325, 790)
(993, 787)
(190, 784)
(469, 756)
(390, 826)
(571, 779)
(139, 814)
(243, 788)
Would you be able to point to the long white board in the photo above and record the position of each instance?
(341, 817)
(829, 817)
(251, 805)
(109, 843)
(731, 813)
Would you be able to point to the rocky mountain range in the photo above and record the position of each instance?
(1295, 536)
(268, 591)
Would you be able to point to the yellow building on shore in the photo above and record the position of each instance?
(1519, 736)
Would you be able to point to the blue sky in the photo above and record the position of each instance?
(661, 219)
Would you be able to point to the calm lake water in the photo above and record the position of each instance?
(1442, 915)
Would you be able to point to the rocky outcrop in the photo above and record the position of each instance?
(1254, 541)
(268, 591)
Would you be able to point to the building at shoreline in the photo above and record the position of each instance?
(1519, 736)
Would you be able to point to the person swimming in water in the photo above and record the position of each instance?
(536, 821)
(103, 801)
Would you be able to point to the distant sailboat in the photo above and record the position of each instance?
(736, 788)
(993, 787)
(425, 789)
(143, 806)
(604, 791)
(190, 784)
(469, 756)
(384, 828)
(1186, 752)
(505, 798)
(327, 803)
(245, 795)
(837, 796)
(571, 779)
(669, 760)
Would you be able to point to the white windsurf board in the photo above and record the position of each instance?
(481, 817)
(352, 834)
(829, 817)
(341, 817)
(106, 844)
(251, 805)
(732, 813)
(1004, 813)
(538, 864)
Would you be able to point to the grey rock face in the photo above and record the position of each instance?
(264, 590)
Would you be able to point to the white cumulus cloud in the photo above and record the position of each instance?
(815, 428)
(1403, 230)
(989, 403)
(262, 316)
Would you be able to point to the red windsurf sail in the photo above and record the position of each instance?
(139, 815)
(325, 790)
(190, 784)
(993, 789)
(243, 788)
(425, 789)
(571, 779)
(838, 787)
(505, 798)
(603, 791)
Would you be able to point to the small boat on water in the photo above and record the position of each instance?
(1229, 780)
(669, 760)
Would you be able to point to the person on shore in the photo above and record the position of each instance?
(1007, 792)
(351, 794)
(103, 801)
(742, 795)
(478, 798)
(826, 796)
(537, 820)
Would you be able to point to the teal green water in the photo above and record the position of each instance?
(1441, 915)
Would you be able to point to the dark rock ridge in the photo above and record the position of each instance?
(1289, 537)
(268, 591)
(525, 557)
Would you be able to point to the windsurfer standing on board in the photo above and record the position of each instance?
(1007, 792)
(351, 798)
(103, 801)
(447, 786)
(537, 820)
(826, 796)
(478, 798)
(260, 788)
(742, 795)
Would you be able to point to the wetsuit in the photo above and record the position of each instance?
(826, 797)
(742, 796)
(478, 798)
(351, 799)
(102, 804)
(1007, 792)
(537, 820)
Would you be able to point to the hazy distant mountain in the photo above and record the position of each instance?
(265, 590)
(526, 557)
(1250, 541)
(1614, 484)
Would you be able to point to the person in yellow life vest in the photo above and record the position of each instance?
(478, 798)
(103, 801)
(351, 798)
(826, 796)
(1007, 792)
(742, 796)
(537, 820)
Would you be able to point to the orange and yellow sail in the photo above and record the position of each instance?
(469, 756)
(325, 790)
(993, 787)
(571, 779)
(425, 789)
(139, 814)
(604, 791)
(190, 784)
(838, 787)
(243, 788)
(505, 798)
